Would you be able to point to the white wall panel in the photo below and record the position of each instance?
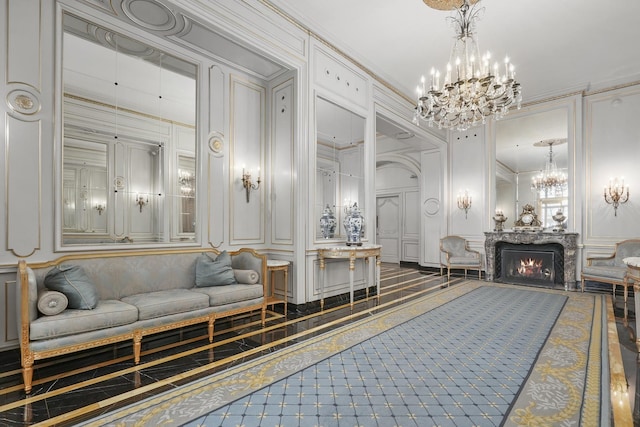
(282, 161)
(411, 222)
(612, 147)
(217, 146)
(22, 126)
(467, 156)
(23, 184)
(410, 251)
(432, 209)
(247, 101)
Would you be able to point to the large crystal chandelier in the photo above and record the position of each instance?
(471, 90)
(551, 181)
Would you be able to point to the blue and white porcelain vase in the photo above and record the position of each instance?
(353, 223)
(328, 223)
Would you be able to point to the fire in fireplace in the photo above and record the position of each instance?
(529, 264)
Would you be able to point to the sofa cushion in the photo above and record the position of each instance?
(472, 260)
(72, 281)
(51, 303)
(248, 277)
(218, 272)
(162, 303)
(222, 295)
(606, 272)
(107, 314)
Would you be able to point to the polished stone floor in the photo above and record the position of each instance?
(77, 387)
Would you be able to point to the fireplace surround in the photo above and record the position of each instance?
(559, 248)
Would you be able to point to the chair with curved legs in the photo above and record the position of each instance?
(455, 253)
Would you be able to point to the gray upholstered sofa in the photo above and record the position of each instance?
(138, 293)
(611, 269)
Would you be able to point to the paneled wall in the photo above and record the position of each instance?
(399, 184)
(612, 149)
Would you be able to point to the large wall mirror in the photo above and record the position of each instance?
(129, 140)
(532, 152)
(339, 166)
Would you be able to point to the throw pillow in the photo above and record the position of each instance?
(218, 272)
(247, 277)
(72, 281)
(51, 303)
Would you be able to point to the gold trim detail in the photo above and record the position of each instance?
(23, 102)
(216, 144)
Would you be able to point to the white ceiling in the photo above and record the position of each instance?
(556, 46)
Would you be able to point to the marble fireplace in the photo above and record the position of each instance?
(531, 257)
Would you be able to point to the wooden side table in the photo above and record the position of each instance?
(274, 265)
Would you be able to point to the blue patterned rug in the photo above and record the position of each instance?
(476, 354)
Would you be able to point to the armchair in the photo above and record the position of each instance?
(611, 269)
(455, 253)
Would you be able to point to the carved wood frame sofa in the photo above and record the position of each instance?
(139, 293)
(611, 269)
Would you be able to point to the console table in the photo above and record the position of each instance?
(351, 253)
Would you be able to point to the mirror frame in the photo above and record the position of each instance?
(167, 181)
(571, 104)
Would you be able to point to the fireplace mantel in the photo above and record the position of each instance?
(567, 240)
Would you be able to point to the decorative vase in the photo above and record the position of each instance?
(353, 223)
(499, 219)
(559, 219)
(328, 223)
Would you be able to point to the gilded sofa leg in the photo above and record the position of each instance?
(212, 320)
(264, 315)
(137, 346)
(27, 376)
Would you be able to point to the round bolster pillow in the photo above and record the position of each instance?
(248, 277)
(51, 303)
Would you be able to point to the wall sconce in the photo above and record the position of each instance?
(464, 202)
(247, 184)
(100, 207)
(141, 201)
(616, 193)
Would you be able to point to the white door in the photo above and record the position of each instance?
(388, 227)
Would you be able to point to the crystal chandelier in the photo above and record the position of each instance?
(551, 180)
(471, 90)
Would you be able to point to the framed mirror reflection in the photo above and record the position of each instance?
(128, 140)
(532, 164)
(339, 168)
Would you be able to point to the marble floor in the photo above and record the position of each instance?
(73, 388)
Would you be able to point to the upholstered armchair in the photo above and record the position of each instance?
(611, 269)
(455, 253)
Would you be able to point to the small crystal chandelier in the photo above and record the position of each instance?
(551, 180)
(472, 90)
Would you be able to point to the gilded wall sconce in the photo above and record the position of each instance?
(248, 184)
(616, 193)
(141, 201)
(464, 202)
(100, 208)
